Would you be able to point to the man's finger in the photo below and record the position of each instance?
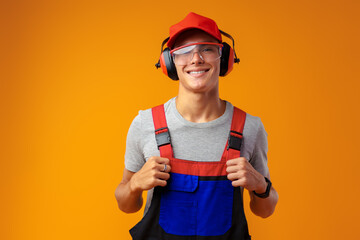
(238, 183)
(167, 168)
(159, 182)
(162, 176)
(233, 176)
(236, 161)
(162, 160)
(164, 168)
(231, 169)
(232, 162)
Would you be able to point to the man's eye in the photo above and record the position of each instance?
(185, 50)
(185, 53)
(208, 49)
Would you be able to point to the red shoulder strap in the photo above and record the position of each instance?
(162, 133)
(232, 148)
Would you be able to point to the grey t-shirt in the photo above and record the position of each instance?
(194, 141)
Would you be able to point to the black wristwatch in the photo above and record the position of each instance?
(267, 192)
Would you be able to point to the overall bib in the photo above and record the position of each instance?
(199, 202)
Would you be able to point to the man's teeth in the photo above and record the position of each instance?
(197, 72)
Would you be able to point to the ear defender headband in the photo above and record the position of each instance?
(227, 60)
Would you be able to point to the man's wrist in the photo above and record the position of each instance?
(134, 189)
(264, 193)
(261, 188)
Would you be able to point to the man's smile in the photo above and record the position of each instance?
(197, 72)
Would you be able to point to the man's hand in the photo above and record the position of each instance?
(242, 174)
(152, 174)
(129, 192)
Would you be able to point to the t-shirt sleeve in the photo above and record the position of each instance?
(134, 156)
(259, 156)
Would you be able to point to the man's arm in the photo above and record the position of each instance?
(129, 200)
(242, 174)
(263, 207)
(129, 192)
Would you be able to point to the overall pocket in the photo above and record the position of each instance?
(178, 205)
(215, 207)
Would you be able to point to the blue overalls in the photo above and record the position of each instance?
(199, 202)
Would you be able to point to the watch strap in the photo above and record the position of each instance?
(267, 192)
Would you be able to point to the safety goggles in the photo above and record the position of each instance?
(208, 52)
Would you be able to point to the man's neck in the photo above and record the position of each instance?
(200, 107)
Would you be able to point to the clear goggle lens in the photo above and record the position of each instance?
(207, 51)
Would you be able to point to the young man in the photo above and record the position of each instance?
(195, 181)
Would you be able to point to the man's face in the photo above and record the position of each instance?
(197, 75)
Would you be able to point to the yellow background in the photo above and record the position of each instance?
(75, 73)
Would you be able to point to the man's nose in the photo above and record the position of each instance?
(197, 58)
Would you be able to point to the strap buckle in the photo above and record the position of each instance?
(235, 140)
(162, 136)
